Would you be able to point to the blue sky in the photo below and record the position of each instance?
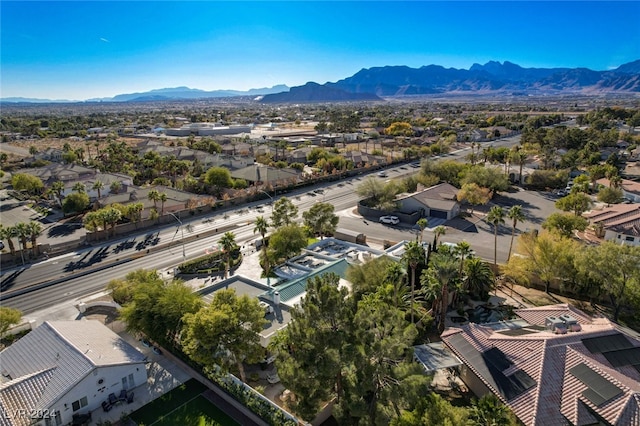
(87, 49)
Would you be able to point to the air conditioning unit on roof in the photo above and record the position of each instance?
(555, 325)
(570, 322)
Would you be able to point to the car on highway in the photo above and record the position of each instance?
(382, 174)
(389, 220)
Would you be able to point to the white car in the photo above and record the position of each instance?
(382, 174)
(390, 220)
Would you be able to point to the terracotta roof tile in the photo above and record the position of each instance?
(547, 358)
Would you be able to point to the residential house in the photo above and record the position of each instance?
(176, 200)
(63, 368)
(619, 223)
(50, 154)
(630, 189)
(438, 201)
(61, 172)
(258, 174)
(299, 155)
(361, 158)
(554, 365)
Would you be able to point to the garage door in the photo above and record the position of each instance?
(438, 213)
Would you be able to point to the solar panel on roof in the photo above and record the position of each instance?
(485, 365)
(622, 357)
(612, 342)
(496, 357)
(599, 389)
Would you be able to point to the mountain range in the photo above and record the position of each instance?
(492, 78)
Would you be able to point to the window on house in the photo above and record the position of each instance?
(629, 238)
(82, 402)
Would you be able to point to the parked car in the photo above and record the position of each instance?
(156, 350)
(390, 220)
(145, 343)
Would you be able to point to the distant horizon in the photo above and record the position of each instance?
(81, 50)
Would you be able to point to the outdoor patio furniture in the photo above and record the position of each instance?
(113, 398)
(129, 397)
(106, 406)
(123, 395)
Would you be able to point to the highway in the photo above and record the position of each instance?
(87, 271)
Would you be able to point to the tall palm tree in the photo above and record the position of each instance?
(22, 232)
(413, 255)
(519, 156)
(262, 226)
(422, 224)
(446, 270)
(228, 244)
(97, 186)
(516, 215)
(463, 251)
(440, 230)
(478, 277)
(35, 230)
(57, 188)
(496, 218)
(7, 233)
(162, 197)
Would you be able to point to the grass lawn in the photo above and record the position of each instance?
(197, 412)
(169, 402)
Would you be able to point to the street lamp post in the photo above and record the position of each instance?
(270, 197)
(184, 255)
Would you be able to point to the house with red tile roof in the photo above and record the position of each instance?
(619, 223)
(630, 189)
(554, 365)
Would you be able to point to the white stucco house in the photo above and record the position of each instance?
(619, 223)
(63, 368)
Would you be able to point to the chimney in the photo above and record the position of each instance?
(276, 298)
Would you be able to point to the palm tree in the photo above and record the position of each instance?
(422, 224)
(413, 255)
(162, 197)
(519, 156)
(97, 186)
(22, 232)
(228, 244)
(57, 188)
(35, 230)
(496, 218)
(394, 275)
(478, 278)
(7, 234)
(516, 215)
(115, 186)
(446, 270)
(112, 216)
(79, 187)
(262, 226)
(463, 251)
(154, 196)
(440, 230)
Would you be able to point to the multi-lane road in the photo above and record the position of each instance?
(87, 271)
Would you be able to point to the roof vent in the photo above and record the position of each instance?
(555, 325)
(570, 322)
